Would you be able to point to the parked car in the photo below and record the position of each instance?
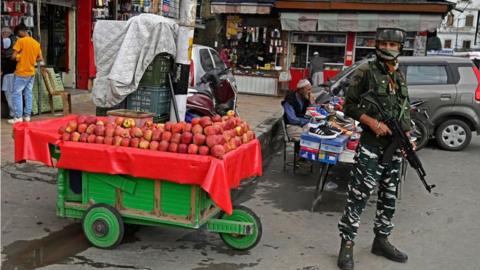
(449, 85)
(205, 59)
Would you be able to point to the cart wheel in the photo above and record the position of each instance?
(242, 242)
(103, 226)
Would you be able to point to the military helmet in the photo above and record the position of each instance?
(390, 34)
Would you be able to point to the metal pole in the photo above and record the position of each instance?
(188, 10)
(456, 36)
(38, 63)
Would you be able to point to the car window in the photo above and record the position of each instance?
(218, 61)
(205, 60)
(426, 74)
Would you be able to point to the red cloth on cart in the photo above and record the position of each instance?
(215, 176)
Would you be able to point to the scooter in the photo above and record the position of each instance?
(422, 126)
(215, 94)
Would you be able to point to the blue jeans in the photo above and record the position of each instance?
(22, 87)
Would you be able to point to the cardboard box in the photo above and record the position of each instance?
(308, 155)
(307, 140)
(328, 157)
(336, 145)
(347, 156)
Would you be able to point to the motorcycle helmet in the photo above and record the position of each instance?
(389, 34)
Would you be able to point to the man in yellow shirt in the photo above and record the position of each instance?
(26, 52)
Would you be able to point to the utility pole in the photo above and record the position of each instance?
(188, 10)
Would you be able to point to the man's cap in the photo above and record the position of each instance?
(6, 30)
(315, 53)
(303, 83)
(390, 34)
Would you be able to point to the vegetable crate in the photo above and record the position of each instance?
(106, 202)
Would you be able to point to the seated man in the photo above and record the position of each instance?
(295, 106)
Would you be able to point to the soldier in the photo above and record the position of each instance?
(388, 84)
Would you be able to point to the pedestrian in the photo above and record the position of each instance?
(317, 65)
(225, 56)
(295, 106)
(27, 53)
(8, 67)
(383, 77)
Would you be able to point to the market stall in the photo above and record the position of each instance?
(257, 52)
(108, 184)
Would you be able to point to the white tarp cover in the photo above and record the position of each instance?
(358, 22)
(123, 51)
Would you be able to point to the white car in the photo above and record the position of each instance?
(205, 59)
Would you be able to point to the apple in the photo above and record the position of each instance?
(66, 136)
(192, 149)
(90, 129)
(218, 128)
(100, 130)
(144, 144)
(109, 131)
(210, 130)
(217, 151)
(173, 147)
(166, 136)
(154, 145)
(205, 121)
(214, 140)
(231, 113)
(81, 119)
(251, 135)
(148, 123)
(197, 129)
(203, 150)
(163, 146)
(199, 139)
(217, 118)
(91, 138)
(82, 127)
(118, 131)
(177, 128)
(61, 129)
(125, 142)
(83, 137)
(245, 138)
(147, 135)
(108, 140)
(134, 142)
(71, 126)
(195, 121)
(136, 132)
(117, 140)
(156, 135)
(176, 138)
(186, 137)
(182, 148)
(187, 127)
(119, 121)
(90, 120)
(100, 122)
(239, 130)
(99, 139)
(238, 141)
(75, 137)
(168, 126)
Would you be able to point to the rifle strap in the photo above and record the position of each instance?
(402, 111)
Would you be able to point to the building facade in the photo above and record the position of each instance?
(459, 30)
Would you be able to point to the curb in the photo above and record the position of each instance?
(267, 133)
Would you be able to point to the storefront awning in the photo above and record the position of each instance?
(357, 22)
(241, 6)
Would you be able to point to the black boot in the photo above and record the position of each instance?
(345, 256)
(382, 247)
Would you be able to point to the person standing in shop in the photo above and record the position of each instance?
(225, 56)
(317, 65)
(8, 66)
(383, 78)
(27, 53)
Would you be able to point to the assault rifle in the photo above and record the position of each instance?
(399, 141)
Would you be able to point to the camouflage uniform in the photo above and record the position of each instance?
(368, 170)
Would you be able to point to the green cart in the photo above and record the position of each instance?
(105, 203)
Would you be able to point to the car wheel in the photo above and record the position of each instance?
(453, 135)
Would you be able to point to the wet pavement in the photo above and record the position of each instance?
(439, 231)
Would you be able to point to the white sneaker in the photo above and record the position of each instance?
(27, 119)
(14, 120)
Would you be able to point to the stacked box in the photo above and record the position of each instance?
(328, 157)
(336, 145)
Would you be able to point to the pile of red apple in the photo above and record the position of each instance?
(213, 136)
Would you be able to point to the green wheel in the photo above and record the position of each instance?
(103, 226)
(242, 242)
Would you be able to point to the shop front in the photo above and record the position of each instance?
(344, 33)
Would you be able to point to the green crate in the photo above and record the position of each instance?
(156, 74)
(150, 99)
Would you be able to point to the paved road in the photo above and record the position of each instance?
(440, 231)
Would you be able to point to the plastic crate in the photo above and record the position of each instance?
(155, 100)
(156, 74)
